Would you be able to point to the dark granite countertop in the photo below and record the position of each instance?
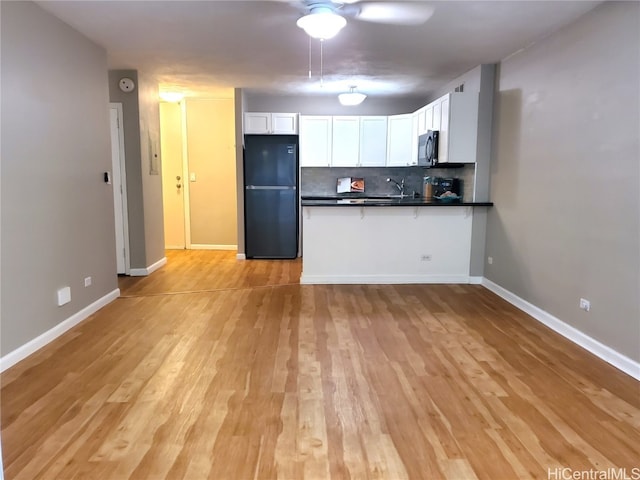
(382, 201)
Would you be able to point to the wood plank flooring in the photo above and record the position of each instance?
(213, 368)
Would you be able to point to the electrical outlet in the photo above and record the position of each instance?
(585, 304)
(490, 260)
(425, 258)
(87, 281)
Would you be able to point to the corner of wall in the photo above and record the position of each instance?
(240, 102)
(132, 147)
(150, 161)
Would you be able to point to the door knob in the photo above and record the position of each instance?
(178, 177)
(178, 186)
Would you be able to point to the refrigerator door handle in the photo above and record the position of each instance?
(270, 187)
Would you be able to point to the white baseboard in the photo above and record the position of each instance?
(621, 362)
(143, 272)
(476, 280)
(37, 343)
(203, 246)
(241, 256)
(380, 279)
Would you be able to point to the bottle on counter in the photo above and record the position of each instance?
(428, 189)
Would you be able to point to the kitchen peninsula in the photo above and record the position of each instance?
(386, 240)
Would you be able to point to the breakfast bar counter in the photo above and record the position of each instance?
(385, 202)
(378, 244)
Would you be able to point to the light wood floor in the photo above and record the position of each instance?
(222, 369)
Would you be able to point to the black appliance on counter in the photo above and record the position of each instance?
(271, 196)
(442, 185)
(428, 148)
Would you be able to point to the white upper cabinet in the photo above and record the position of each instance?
(455, 117)
(343, 141)
(458, 137)
(417, 119)
(257, 122)
(373, 141)
(284, 123)
(425, 119)
(315, 140)
(345, 148)
(271, 123)
(435, 115)
(400, 140)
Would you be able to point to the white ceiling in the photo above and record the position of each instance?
(201, 46)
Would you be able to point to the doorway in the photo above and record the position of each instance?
(119, 182)
(174, 173)
(199, 173)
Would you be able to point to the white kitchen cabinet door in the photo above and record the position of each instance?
(373, 141)
(425, 119)
(421, 118)
(257, 123)
(267, 123)
(458, 139)
(436, 114)
(415, 131)
(284, 123)
(443, 131)
(400, 136)
(345, 148)
(315, 140)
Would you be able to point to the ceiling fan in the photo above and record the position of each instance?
(325, 18)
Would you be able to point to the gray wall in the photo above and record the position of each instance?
(151, 169)
(565, 176)
(133, 166)
(141, 127)
(323, 105)
(57, 213)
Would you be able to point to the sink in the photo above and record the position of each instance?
(369, 200)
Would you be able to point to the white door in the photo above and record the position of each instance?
(173, 175)
(118, 179)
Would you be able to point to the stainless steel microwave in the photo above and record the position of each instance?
(428, 148)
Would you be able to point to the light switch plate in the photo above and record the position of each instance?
(64, 296)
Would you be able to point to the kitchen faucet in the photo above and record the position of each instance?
(400, 185)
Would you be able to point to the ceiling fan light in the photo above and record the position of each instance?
(323, 24)
(351, 98)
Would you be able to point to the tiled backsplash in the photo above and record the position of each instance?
(315, 181)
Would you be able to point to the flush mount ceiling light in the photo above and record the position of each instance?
(351, 98)
(322, 23)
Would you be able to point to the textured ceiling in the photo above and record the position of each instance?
(200, 46)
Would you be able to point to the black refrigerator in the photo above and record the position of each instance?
(271, 196)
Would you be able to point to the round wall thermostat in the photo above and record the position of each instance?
(126, 85)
